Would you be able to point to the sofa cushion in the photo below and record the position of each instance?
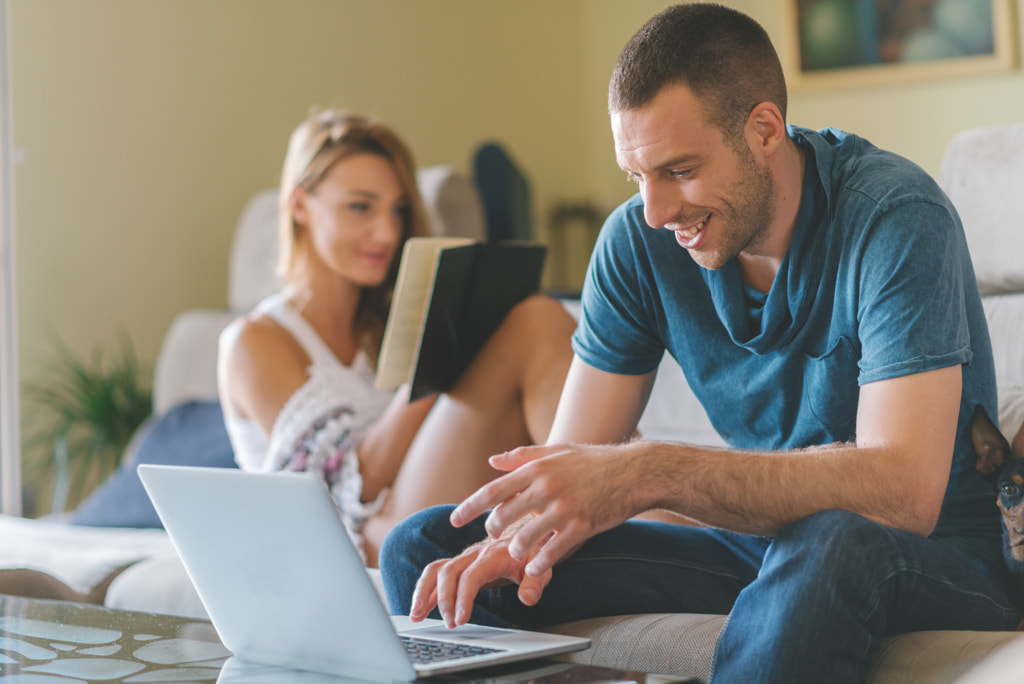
(156, 585)
(191, 433)
(677, 644)
(683, 645)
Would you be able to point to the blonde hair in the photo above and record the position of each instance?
(319, 142)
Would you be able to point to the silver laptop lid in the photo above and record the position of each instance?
(263, 552)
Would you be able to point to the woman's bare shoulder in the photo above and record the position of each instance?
(261, 365)
(255, 345)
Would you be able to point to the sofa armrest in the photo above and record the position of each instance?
(186, 368)
(80, 557)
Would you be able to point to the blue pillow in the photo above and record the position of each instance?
(191, 433)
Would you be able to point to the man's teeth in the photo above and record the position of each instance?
(691, 233)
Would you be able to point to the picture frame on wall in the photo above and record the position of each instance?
(851, 42)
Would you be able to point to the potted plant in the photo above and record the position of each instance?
(86, 411)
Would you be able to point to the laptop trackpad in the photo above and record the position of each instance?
(460, 632)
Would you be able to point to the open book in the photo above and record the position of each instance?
(451, 295)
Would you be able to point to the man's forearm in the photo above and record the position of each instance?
(759, 492)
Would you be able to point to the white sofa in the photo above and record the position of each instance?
(983, 172)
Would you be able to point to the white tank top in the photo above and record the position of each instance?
(330, 384)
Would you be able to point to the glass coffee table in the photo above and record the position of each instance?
(56, 642)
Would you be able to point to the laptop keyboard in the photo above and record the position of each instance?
(423, 651)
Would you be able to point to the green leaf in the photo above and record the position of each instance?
(95, 404)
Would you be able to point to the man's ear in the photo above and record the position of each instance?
(766, 128)
(990, 447)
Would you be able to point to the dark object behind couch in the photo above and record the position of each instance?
(191, 433)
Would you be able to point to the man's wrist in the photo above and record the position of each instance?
(655, 474)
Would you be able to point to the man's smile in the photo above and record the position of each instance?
(686, 237)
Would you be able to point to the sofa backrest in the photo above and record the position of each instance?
(982, 171)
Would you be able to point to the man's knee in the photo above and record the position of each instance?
(828, 528)
(837, 542)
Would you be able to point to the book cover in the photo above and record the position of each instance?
(450, 297)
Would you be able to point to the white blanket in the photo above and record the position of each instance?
(78, 556)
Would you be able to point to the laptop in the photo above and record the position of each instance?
(284, 585)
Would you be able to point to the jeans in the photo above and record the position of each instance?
(809, 605)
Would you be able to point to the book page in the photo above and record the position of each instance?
(404, 330)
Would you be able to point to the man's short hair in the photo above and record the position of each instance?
(724, 57)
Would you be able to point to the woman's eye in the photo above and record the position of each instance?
(359, 207)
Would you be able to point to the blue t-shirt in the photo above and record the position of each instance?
(876, 284)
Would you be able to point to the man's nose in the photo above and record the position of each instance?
(661, 205)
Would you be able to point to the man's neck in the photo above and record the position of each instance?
(758, 269)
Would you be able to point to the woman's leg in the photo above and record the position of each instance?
(506, 398)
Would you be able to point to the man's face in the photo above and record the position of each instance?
(717, 198)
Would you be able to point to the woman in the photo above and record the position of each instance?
(296, 374)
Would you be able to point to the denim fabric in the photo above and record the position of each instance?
(810, 605)
(877, 283)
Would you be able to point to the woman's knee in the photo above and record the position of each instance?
(539, 316)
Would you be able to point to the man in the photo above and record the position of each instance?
(819, 296)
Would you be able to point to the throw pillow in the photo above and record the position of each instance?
(191, 433)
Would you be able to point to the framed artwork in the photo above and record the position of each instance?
(849, 42)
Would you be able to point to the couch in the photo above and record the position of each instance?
(982, 171)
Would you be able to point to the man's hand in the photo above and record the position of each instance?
(555, 498)
(557, 495)
(452, 584)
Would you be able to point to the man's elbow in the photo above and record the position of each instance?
(919, 514)
(924, 522)
(917, 493)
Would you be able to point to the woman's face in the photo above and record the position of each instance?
(352, 221)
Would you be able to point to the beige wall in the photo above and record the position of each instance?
(916, 119)
(142, 126)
